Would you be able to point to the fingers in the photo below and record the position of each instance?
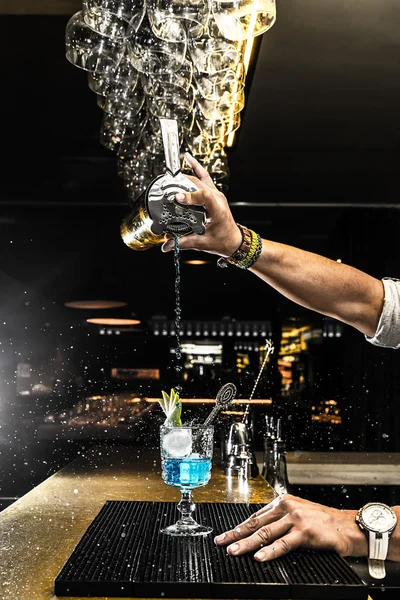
(281, 546)
(200, 171)
(262, 537)
(168, 246)
(263, 517)
(270, 512)
(275, 503)
(186, 242)
(200, 184)
(204, 197)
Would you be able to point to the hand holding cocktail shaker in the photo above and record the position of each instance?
(156, 211)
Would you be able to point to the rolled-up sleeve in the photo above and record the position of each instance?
(388, 331)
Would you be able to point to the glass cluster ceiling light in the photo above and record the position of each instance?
(177, 59)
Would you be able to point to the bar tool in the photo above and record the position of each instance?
(241, 456)
(275, 467)
(240, 461)
(225, 396)
(156, 211)
(250, 444)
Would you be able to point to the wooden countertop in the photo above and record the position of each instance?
(40, 530)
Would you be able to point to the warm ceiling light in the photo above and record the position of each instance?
(196, 262)
(94, 295)
(95, 304)
(113, 322)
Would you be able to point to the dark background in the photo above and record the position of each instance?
(314, 164)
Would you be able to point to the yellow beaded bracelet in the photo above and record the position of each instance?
(253, 249)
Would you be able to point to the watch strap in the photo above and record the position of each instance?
(378, 549)
(376, 568)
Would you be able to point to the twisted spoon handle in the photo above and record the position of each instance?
(225, 397)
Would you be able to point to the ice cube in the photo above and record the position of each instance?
(184, 472)
(177, 443)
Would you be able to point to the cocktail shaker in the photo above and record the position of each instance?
(156, 212)
(240, 459)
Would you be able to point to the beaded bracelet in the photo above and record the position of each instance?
(247, 253)
(253, 249)
(251, 260)
(241, 252)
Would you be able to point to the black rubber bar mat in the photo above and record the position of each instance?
(123, 554)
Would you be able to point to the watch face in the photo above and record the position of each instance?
(378, 517)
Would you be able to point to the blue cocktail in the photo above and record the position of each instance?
(186, 454)
(190, 472)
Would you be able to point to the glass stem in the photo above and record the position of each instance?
(186, 507)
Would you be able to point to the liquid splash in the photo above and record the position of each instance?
(178, 349)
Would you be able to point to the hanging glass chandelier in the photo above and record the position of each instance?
(177, 59)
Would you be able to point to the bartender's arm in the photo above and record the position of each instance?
(323, 285)
(289, 522)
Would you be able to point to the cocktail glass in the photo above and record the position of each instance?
(186, 454)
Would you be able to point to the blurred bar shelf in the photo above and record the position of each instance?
(240, 401)
(57, 431)
(335, 468)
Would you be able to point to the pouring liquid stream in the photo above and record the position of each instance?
(178, 349)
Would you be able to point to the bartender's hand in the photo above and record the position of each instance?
(288, 523)
(222, 235)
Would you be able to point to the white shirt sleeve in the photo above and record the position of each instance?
(387, 334)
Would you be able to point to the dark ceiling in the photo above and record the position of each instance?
(320, 133)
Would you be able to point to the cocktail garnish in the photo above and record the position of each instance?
(172, 407)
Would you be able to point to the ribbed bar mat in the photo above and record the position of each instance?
(123, 554)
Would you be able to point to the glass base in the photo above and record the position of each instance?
(187, 529)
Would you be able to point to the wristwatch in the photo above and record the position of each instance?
(378, 521)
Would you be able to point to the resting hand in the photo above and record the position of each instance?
(289, 522)
(222, 235)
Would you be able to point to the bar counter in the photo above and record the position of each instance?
(40, 530)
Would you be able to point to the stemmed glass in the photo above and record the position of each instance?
(171, 102)
(122, 102)
(186, 454)
(151, 55)
(242, 19)
(89, 50)
(114, 18)
(217, 128)
(211, 55)
(178, 20)
(182, 78)
(123, 75)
